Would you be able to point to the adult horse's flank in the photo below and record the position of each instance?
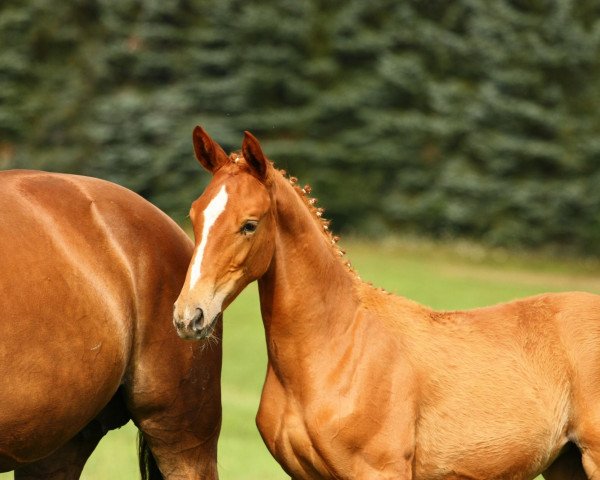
(90, 271)
(362, 384)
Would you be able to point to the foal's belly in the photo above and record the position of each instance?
(474, 435)
(504, 459)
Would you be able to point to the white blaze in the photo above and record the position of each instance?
(212, 212)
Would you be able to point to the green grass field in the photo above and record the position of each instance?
(460, 276)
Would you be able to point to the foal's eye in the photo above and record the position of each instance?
(249, 227)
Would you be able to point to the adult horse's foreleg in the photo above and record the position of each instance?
(567, 466)
(68, 461)
(174, 397)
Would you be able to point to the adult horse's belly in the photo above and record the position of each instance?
(65, 326)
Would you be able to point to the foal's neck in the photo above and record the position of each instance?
(308, 295)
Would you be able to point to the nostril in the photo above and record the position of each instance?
(196, 322)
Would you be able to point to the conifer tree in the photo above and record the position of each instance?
(453, 118)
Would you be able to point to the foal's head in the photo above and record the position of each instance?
(234, 226)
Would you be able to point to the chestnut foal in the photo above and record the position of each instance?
(362, 384)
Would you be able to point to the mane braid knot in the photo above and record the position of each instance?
(317, 213)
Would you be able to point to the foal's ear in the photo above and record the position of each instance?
(254, 155)
(208, 152)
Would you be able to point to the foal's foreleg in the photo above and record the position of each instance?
(588, 434)
(591, 464)
(567, 466)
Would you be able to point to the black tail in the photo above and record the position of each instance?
(148, 468)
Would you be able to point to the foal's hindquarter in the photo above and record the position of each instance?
(89, 274)
(364, 384)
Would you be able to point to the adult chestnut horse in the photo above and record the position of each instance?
(89, 273)
(362, 384)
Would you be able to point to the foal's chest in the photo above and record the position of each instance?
(284, 430)
(328, 439)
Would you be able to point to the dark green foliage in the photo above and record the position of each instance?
(451, 118)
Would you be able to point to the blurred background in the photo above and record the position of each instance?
(440, 118)
(471, 127)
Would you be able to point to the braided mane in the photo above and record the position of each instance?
(317, 212)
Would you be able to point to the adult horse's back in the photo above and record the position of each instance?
(88, 275)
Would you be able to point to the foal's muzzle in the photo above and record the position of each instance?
(193, 326)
